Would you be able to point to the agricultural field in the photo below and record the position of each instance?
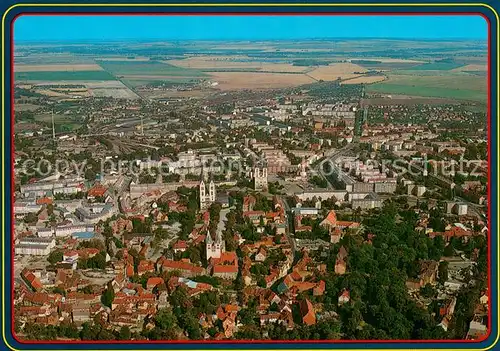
(62, 122)
(386, 65)
(463, 87)
(472, 68)
(365, 80)
(238, 73)
(147, 68)
(80, 89)
(429, 68)
(123, 58)
(253, 80)
(216, 64)
(57, 68)
(337, 70)
(437, 66)
(26, 107)
(114, 89)
(50, 58)
(55, 76)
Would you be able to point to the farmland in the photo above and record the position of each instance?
(215, 64)
(148, 68)
(57, 68)
(251, 80)
(62, 123)
(364, 80)
(337, 70)
(63, 75)
(454, 69)
(438, 65)
(472, 68)
(464, 87)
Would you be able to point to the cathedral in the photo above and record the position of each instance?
(215, 247)
(206, 199)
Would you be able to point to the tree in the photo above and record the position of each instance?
(428, 291)
(443, 272)
(30, 218)
(55, 256)
(108, 296)
(124, 333)
(449, 251)
(105, 335)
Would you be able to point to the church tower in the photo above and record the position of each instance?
(203, 191)
(214, 248)
(260, 178)
(211, 191)
(207, 199)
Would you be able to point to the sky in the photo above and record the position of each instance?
(195, 27)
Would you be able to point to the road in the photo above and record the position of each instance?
(222, 220)
(331, 156)
(289, 237)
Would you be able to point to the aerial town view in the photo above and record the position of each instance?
(213, 188)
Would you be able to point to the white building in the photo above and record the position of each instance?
(67, 230)
(34, 246)
(260, 178)
(214, 248)
(45, 232)
(207, 199)
(22, 208)
(32, 249)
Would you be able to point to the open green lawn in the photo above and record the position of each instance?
(146, 68)
(462, 87)
(63, 75)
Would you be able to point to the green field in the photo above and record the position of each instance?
(444, 65)
(146, 68)
(477, 73)
(132, 82)
(63, 75)
(373, 65)
(462, 87)
(62, 123)
(422, 73)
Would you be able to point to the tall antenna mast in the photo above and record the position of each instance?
(53, 127)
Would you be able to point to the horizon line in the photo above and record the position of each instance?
(97, 40)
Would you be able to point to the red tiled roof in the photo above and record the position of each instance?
(307, 311)
(331, 218)
(254, 213)
(88, 251)
(152, 282)
(180, 245)
(320, 288)
(183, 266)
(247, 200)
(70, 253)
(347, 224)
(145, 266)
(44, 201)
(304, 286)
(345, 294)
(231, 308)
(97, 190)
(130, 270)
(225, 269)
(31, 279)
